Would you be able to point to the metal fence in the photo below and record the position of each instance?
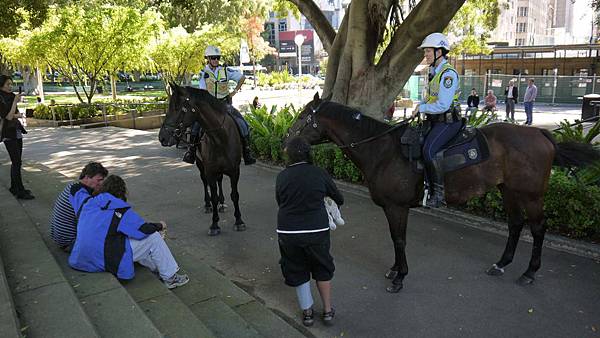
(551, 89)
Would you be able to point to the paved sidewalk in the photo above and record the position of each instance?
(446, 292)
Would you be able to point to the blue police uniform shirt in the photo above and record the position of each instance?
(445, 95)
(233, 74)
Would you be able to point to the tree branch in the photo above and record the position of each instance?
(317, 19)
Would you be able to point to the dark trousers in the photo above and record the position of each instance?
(15, 151)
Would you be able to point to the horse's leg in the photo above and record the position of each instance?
(235, 197)
(222, 205)
(207, 204)
(397, 217)
(535, 219)
(514, 211)
(214, 198)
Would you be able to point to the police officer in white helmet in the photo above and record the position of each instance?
(215, 79)
(442, 109)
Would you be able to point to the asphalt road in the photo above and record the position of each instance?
(446, 294)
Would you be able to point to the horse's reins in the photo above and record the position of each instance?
(221, 126)
(352, 144)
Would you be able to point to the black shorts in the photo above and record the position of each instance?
(303, 255)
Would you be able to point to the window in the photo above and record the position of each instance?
(521, 27)
(270, 33)
(522, 11)
(519, 42)
(282, 25)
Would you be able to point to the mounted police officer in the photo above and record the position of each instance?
(215, 79)
(442, 109)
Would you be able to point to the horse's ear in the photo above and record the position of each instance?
(316, 97)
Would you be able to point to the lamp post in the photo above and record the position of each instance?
(299, 40)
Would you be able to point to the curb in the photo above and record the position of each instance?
(552, 241)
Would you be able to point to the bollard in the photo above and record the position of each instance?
(104, 115)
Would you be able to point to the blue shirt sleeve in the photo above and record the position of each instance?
(130, 225)
(201, 81)
(445, 96)
(234, 74)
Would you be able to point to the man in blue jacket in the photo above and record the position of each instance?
(111, 236)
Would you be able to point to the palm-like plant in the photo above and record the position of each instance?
(576, 132)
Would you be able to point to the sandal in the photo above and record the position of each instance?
(308, 317)
(328, 317)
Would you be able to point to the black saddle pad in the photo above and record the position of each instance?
(469, 147)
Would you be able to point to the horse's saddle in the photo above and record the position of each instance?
(467, 148)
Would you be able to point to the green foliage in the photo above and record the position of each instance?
(576, 133)
(269, 128)
(84, 42)
(17, 14)
(480, 118)
(572, 205)
(84, 110)
(472, 24)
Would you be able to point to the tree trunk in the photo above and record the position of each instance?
(353, 78)
(30, 80)
(113, 86)
(40, 83)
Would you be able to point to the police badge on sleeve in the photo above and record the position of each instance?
(448, 81)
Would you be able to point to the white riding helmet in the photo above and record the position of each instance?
(436, 40)
(212, 51)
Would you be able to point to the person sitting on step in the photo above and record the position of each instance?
(215, 79)
(442, 109)
(111, 236)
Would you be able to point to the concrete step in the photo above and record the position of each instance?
(172, 317)
(44, 300)
(212, 286)
(9, 323)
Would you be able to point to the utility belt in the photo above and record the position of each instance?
(451, 116)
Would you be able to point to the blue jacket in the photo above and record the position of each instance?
(104, 226)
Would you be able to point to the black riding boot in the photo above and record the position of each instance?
(436, 184)
(190, 154)
(248, 159)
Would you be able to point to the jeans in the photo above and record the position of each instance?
(153, 253)
(15, 151)
(510, 108)
(528, 111)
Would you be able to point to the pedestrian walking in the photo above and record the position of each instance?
(303, 228)
(529, 99)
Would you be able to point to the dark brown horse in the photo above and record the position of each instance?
(519, 165)
(221, 150)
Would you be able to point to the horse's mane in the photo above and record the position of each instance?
(365, 126)
(203, 95)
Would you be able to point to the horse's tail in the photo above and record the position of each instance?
(572, 154)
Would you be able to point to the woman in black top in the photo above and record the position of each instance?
(11, 133)
(303, 228)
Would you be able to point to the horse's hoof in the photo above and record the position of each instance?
(214, 231)
(239, 227)
(391, 274)
(222, 208)
(525, 280)
(208, 210)
(394, 288)
(495, 271)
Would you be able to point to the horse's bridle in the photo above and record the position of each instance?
(312, 117)
(193, 110)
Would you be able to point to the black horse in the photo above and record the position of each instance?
(221, 149)
(519, 164)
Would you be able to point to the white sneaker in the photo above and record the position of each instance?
(176, 280)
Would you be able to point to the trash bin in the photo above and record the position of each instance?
(591, 106)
